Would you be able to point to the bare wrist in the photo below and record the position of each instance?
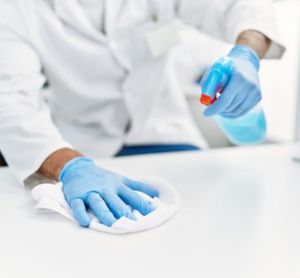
(255, 40)
(55, 162)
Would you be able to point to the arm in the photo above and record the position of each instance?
(107, 194)
(27, 133)
(250, 26)
(243, 92)
(31, 142)
(228, 19)
(54, 163)
(255, 40)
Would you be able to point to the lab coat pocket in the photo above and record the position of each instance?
(135, 46)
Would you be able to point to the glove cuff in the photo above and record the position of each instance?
(246, 52)
(73, 163)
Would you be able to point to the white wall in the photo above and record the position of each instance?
(280, 78)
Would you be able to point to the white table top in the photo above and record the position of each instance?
(240, 217)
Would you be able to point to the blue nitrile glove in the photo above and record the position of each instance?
(106, 194)
(242, 93)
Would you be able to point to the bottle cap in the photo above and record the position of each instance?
(206, 100)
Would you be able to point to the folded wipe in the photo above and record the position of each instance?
(50, 198)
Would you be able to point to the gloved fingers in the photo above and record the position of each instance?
(116, 205)
(233, 114)
(142, 187)
(224, 100)
(239, 99)
(100, 209)
(241, 110)
(79, 211)
(249, 103)
(134, 200)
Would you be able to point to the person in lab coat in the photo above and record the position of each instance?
(113, 89)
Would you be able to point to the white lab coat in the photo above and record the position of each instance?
(108, 89)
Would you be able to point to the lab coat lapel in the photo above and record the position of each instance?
(72, 13)
(113, 9)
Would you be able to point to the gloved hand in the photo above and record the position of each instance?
(105, 193)
(242, 93)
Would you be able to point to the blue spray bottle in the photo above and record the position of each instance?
(247, 129)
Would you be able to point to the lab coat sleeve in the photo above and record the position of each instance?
(226, 19)
(27, 133)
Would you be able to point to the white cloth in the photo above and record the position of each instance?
(106, 90)
(50, 198)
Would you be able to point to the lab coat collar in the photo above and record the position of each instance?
(72, 13)
(113, 9)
